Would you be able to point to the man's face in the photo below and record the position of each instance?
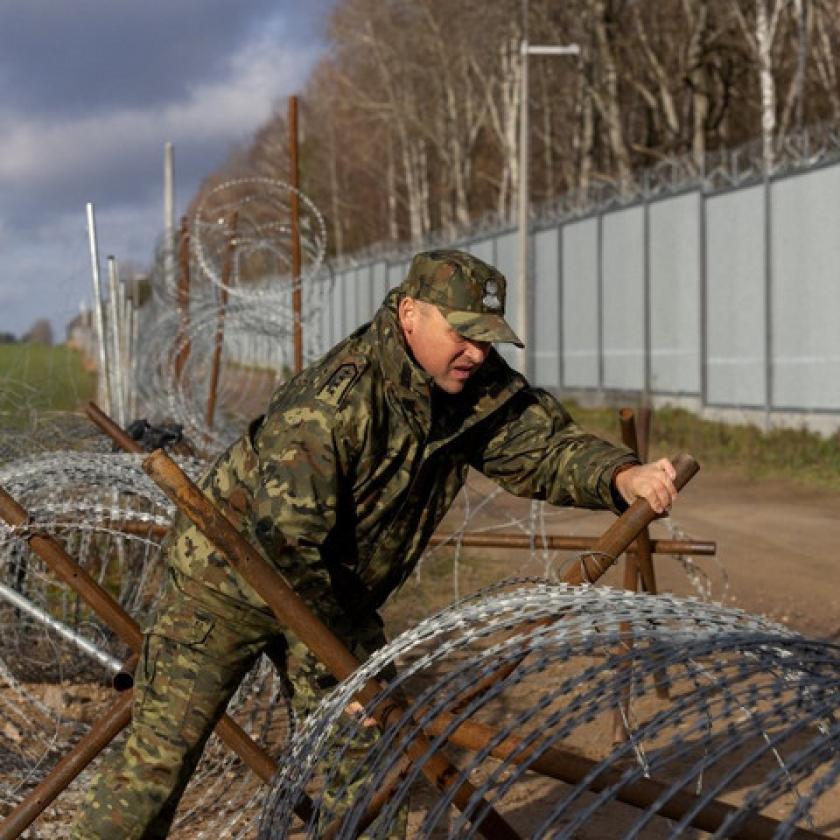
(448, 357)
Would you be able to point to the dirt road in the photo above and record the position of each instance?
(778, 544)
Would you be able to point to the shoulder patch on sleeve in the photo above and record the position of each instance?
(341, 380)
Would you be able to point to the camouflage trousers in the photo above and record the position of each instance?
(198, 649)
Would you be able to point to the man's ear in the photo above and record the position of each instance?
(407, 311)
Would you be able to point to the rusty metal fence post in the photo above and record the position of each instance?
(182, 339)
(227, 276)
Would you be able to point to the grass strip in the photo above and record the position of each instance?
(794, 454)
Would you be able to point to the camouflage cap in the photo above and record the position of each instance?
(469, 292)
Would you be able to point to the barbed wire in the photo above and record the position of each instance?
(752, 709)
(255, 324)
(86, 500)
(263, 233)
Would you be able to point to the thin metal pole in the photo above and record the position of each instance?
(523, 206)
(85, 645)
(599, 297)
(294, 206)
(552, 542)
(169, 214)
(129, 335)
(490, 539)
(123, 322)
(768, 298)
(104, 385)
(526, 49)
(135, 343)
(115, 318)
(702, 236)
(561, 301)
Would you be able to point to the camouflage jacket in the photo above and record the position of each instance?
(342, 483)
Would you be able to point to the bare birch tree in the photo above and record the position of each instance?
(412, 120)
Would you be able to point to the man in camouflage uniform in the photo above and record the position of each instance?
(340, 485)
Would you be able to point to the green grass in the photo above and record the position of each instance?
(35, 379)
(795, 454)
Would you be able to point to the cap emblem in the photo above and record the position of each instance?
(491, 300)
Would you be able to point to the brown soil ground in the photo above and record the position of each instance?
(776, 550)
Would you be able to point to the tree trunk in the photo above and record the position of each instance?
(764, 44)
(585, 138)
(607, 95)
(391, 188)
(795, 99)
(699, 83)
(824, 58)
(338, 231)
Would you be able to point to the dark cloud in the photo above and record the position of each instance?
(92, 55)
(125, 179)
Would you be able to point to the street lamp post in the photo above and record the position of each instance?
(527, 49)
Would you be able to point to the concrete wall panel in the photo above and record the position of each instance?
(580, 304)
(805, 324)
(735, 298)
(675, 295)
(623, 266)
(544, 352)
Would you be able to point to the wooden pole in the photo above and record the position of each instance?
(182, 341)
(619, 536)
(227, 276)
(641, 549)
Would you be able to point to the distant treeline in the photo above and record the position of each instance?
(39, 333)
(410, 124)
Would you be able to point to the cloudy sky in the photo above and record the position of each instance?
(90, 90)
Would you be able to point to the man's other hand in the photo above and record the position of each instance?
(654, 482)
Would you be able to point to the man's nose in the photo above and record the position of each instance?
(477, 350)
